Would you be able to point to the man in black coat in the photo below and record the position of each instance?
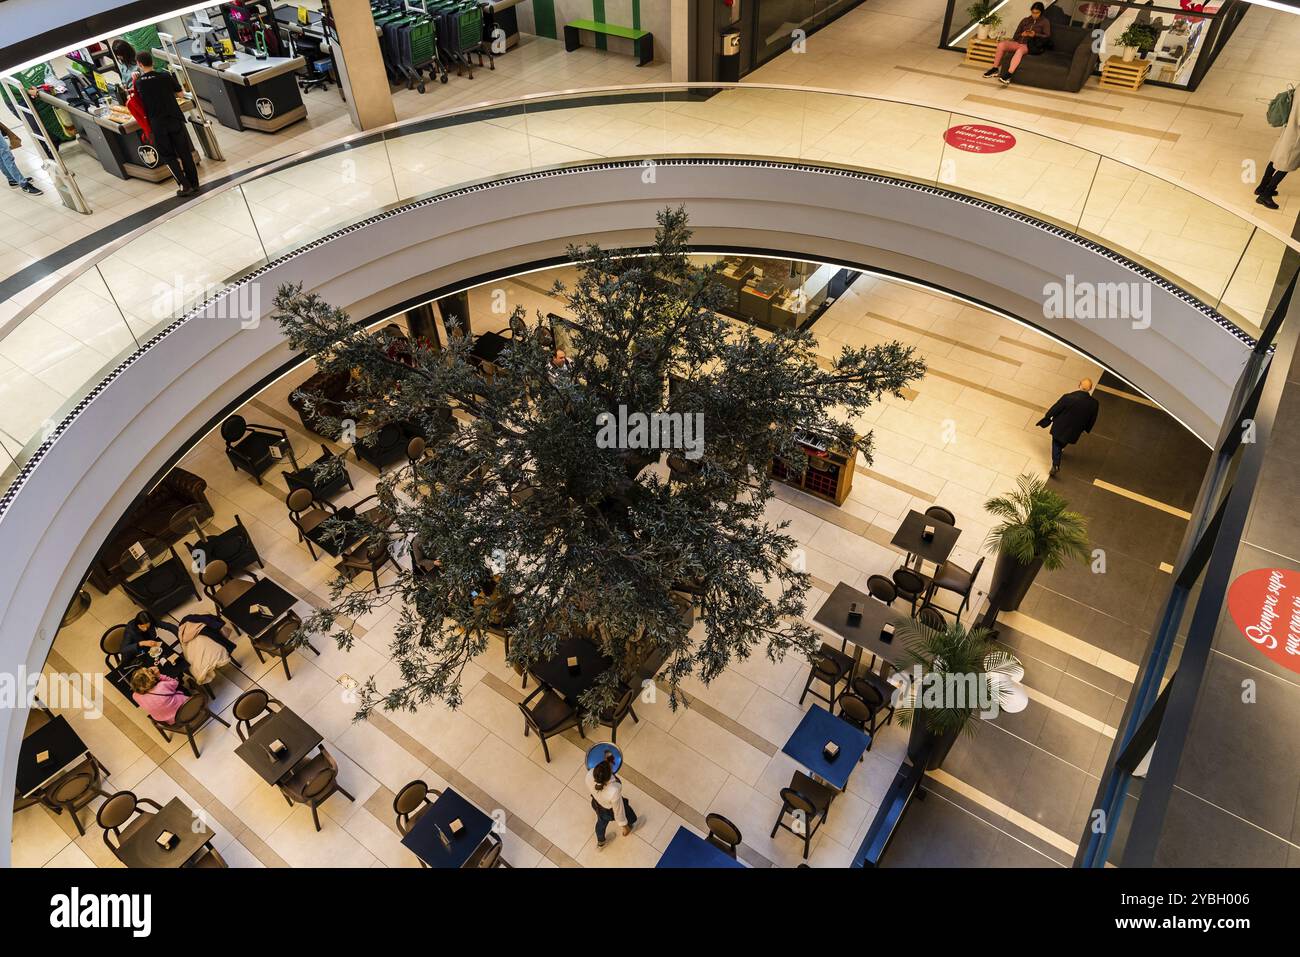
(1073, 414)
(157, 92)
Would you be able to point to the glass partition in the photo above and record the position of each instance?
(53, 354)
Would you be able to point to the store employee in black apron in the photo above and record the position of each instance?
(157, 92)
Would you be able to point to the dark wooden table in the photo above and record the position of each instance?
(865, 636)
(908, 538)
(266, 592)
(688, 849)
(488, 347)
(65, 749)
(424, 839)
(807, 743)
(300, 739)
(554, 672)
(141, 849)
(170, 663)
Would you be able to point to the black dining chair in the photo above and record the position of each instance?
(881, 589)
(723, 835)
(415, 451)
(931, 617)
(808, 803)
(830, 666)
(547, 714)
(249, 446)
(878, 695)
(941, 514)
(909, 585)
(208, 857)
(313, 782)
(309, 515)
(121, 816)
(488, 855)
(861, 712)
(76, 789)
(368, 557)
(321, 477)
(234, 546)
(277, 642)
(189, 720)
(252, 708)
(613, 717)
(952, 577)
(110, 643)
(222, 586)
(411, 803)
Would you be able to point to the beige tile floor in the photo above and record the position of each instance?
(965, 434)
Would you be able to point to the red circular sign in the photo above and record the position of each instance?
(975, 138)
(1265, 604)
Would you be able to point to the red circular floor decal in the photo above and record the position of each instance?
(975, 138)
(1265, 604)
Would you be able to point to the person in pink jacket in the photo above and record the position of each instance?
(158, 694)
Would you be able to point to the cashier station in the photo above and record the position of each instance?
(113, 135)
(768, 295)
(253, 88)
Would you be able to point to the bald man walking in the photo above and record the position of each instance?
(1073, 414)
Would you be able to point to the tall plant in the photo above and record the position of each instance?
(962, 665)
(544, 529)
(1037, 526)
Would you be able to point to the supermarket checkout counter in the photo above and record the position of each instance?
(114, 136)
(246, 93)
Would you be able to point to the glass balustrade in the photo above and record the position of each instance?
(55, 351)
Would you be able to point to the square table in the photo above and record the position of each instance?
(936, 550)
(865, 636)
(299, 738)
(817, 727)
(688, 849)
(140, 848)
(170, 663)
(266, 592)
(424, 841)
(66, 749)
(554, 672)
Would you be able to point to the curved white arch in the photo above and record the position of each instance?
(66, 501)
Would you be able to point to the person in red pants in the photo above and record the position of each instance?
(1031, 36)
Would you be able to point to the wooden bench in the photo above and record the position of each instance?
(643, 41)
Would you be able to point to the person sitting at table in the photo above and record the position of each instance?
(142, 634)
(607, 799)
(560, 362)
(158, 694)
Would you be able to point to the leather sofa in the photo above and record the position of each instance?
(333, 388)
(151, 518)
(1067, 64)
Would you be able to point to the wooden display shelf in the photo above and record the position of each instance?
(982, 52)
(829, 474)
(1118, 75)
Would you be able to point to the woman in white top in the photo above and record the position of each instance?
(607, 799)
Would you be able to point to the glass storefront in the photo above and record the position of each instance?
(1182, 38)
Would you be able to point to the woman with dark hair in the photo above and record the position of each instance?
(142, 634)
(124, 54)
(1031, 36)
(607, 799)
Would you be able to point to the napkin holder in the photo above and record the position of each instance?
(572, 663)
(456, 827)
(167, 840)
(855, 613)
(887, 633)
(927, 533)
(277, 749)
(830, 750)
(42, 757)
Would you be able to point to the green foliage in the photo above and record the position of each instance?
(1139, 36)
(583, 539)
(948, 651)
(1037, 524)
(982, 12)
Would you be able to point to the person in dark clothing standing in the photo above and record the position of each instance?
(1073, 414)
(157, 92)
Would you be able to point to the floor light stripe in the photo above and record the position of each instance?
(1060, 707)
(1132, 397)
(1076, 647)
(1134, 496)
(1006, 812)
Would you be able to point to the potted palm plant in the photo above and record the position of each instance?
(1137, 37)
(982, 13)
(957, 681)
(1037, 531)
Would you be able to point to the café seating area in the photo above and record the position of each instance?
(271, 760)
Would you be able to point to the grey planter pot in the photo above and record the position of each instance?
(1011, 582)
(919, 738)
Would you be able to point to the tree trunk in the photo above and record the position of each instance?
(921, 737)
(1011, 581)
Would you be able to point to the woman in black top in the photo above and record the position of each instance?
(1031, 34)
